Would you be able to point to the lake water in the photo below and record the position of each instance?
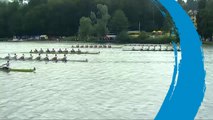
(115, 84)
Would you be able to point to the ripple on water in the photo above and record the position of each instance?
(112, 85)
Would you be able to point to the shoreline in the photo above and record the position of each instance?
(91, 42)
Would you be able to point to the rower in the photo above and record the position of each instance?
(66, 51)
(22, 57)
(53, 50)
(79, 51)
(48, 50)
(31, 57)
(55, 58)
(64, 58)
(60, 51)
(35, 51)
(100, 46)
(77, 46)
(15, 56)
(31, 51)
(39, 57)
(41, 50)
(133, 49)
(7, 57)
(5, 65)
(72, 51)
(46, 58)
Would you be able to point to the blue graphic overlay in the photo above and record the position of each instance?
(187, 89)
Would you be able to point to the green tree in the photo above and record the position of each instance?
(191, 5)
(93, 18)
(101, 28)
(205, 18)
(85, 28)
(123, 37)
(182, 3)
(119, 22)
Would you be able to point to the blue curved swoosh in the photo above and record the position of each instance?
(187, 89)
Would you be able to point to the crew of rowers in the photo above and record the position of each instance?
(55, 58)
(91, 46)
(54, 51)
(154, 48)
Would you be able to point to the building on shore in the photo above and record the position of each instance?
(193, 16)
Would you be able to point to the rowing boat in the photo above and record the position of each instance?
(91, 46)
(17, 70)
(151, 50)
(95, 46)
(58, 60)
(65, 52)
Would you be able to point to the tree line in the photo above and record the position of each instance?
(63, 17)
(204, 17)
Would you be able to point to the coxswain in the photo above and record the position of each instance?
(7, 57)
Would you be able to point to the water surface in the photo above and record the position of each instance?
(112, 85)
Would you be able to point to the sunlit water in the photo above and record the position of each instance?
(112, 85)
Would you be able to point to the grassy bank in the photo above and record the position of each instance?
(126, 40)
(208, 43)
